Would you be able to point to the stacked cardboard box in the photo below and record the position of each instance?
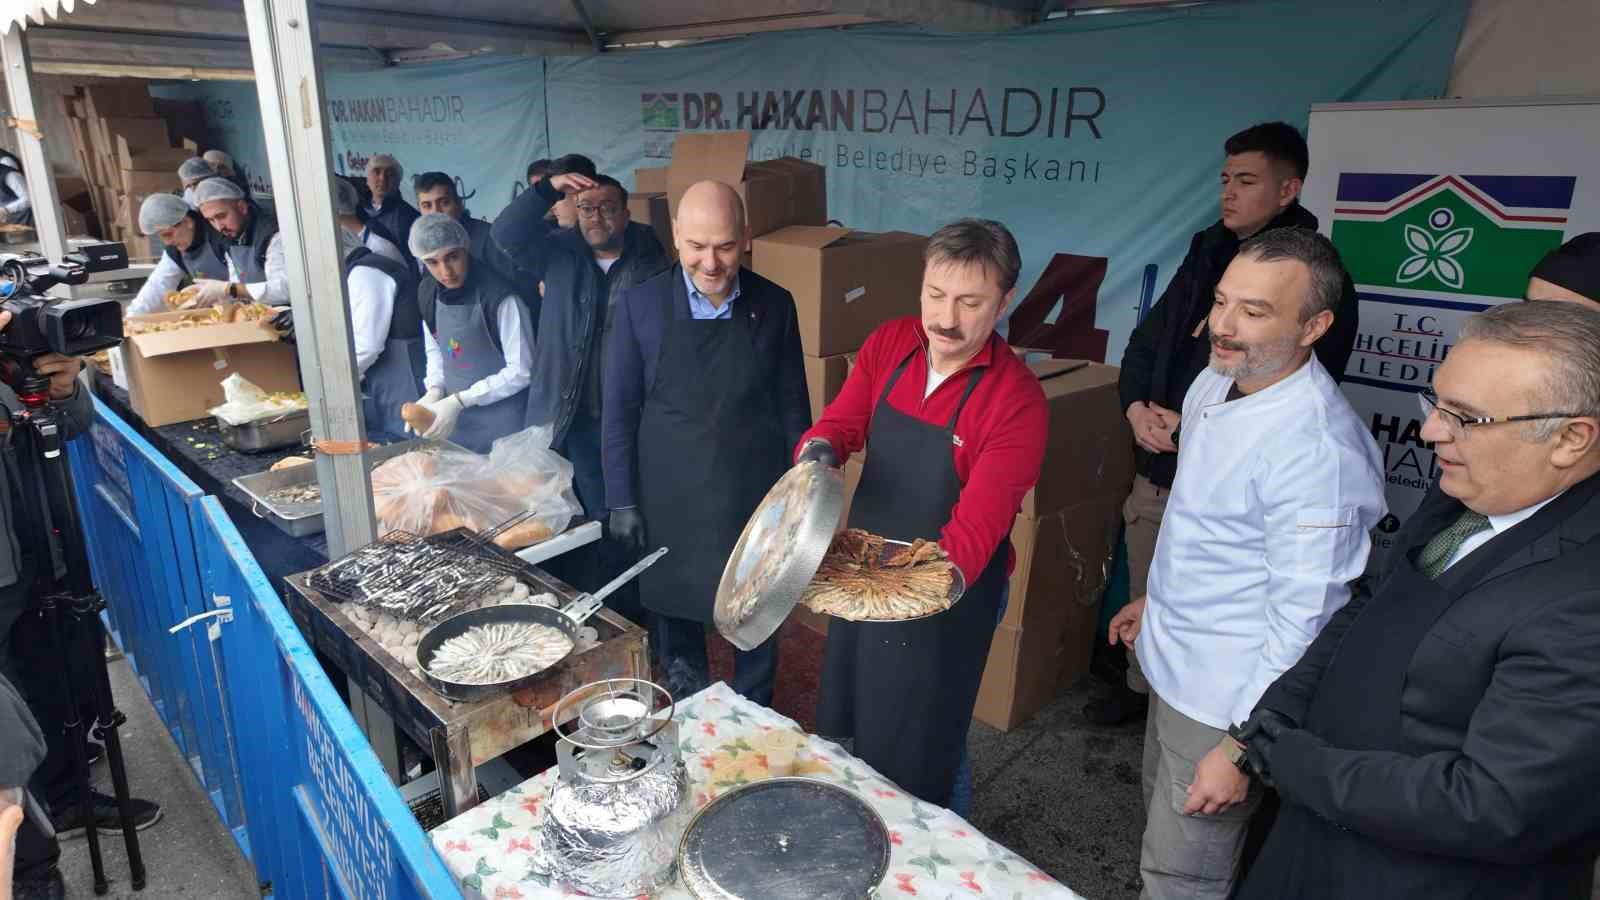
(125, 147)
(1063, 539)
(845, 284)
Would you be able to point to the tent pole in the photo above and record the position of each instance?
(30, 149)
(289, 82)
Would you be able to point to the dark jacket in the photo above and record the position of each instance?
(1491, 792)
(577, 298)
(397, 216)
(1164, 354)
(641, 323)
(486, 252)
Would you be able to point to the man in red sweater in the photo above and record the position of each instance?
(957, 425)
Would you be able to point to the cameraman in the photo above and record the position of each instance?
(28, 657)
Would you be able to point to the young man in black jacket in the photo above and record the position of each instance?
(1261, 179)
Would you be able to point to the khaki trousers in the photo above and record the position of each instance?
(1141, 518)
(1186, 857)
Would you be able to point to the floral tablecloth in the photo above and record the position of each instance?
(933, 852)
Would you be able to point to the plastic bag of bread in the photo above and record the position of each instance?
(520, 494)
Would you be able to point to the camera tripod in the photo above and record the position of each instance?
(71, 608)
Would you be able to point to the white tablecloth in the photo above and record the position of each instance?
(933, 852)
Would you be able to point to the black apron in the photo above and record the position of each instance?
(904, 691)
(710, 447)
(1357, 707)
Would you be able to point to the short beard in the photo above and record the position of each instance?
(1260, 361)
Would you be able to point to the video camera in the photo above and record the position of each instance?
(43, 324)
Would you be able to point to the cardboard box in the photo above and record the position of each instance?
(825, 376)
(776, 193)
(159, 159)
(1045, 639)
(1089, 448)
(650, 181)
(118, 98)
(845, 283)
(175, 376)
(650, 210)
(137, 181)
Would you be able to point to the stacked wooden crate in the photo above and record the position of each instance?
(126, 148)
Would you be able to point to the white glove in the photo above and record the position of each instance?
(210, 292)
(434, 395)
(445, 414)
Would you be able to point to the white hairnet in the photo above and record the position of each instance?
(387, 161)
(436, 233)
(216, 188)
(218, 160)
(345, 197)
(194, 167)
(160, 211)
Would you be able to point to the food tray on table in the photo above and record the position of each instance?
(301, 519)
(290, 429)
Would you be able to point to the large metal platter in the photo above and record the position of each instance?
(958, 588)
(778, 553)
(784, 839)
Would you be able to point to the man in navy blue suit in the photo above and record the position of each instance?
(704, 396)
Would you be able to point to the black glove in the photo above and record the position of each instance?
(283, 324)
(1258, 734)
(627, 528)
(818, 450)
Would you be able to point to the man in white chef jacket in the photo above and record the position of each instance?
(1278, 484)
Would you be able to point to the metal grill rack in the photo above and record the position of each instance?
(414, 578)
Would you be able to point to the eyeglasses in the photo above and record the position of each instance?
(609, 210)
(1458, 423)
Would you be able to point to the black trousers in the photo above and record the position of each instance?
(41, 688)
(680, 653)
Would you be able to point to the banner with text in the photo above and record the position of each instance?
(1096, 139)
(1440, 211)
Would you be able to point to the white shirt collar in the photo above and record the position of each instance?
(1506, 521)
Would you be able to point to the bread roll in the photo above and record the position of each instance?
(419, 417)
(524, 534)
(290, 462)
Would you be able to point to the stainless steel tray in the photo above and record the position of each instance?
(288, 430)
(302, 519)
(784, 839)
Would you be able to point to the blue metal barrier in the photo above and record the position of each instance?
(266, 734)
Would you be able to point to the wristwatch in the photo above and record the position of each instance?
(1234, 751)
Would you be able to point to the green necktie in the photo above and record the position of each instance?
(1431, 561)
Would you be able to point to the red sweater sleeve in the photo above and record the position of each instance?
(1004, 467)
(844, 422)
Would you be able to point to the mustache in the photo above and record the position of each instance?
(953, 334)
(1226, 344)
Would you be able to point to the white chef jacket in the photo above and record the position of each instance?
(275, 290)
(1268, 521)
(372, 294)
(513, 377)
(152, 297)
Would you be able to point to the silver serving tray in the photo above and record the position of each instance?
(784, 839)
(302, 519)
(958, 589)
(778, 553)
(287, 430)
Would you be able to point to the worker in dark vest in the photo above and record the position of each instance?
(390, 210)
(385, 324)
(16, 204)
(956, 425)
(477, 337)
(705, 392)
(190, 251)
(436, 193)
(248, 238)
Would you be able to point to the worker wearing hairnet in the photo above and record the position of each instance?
(477, 340)
(254, 252)
(193, 171)
(191, 251)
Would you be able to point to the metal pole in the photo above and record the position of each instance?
(282, 45)
(30, 149)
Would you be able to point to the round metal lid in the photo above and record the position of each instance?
(784, 839)
(779, 553)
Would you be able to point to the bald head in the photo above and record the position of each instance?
(710, 234)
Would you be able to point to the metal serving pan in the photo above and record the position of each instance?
(287, 430)
(302, 519)
(784, 839)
